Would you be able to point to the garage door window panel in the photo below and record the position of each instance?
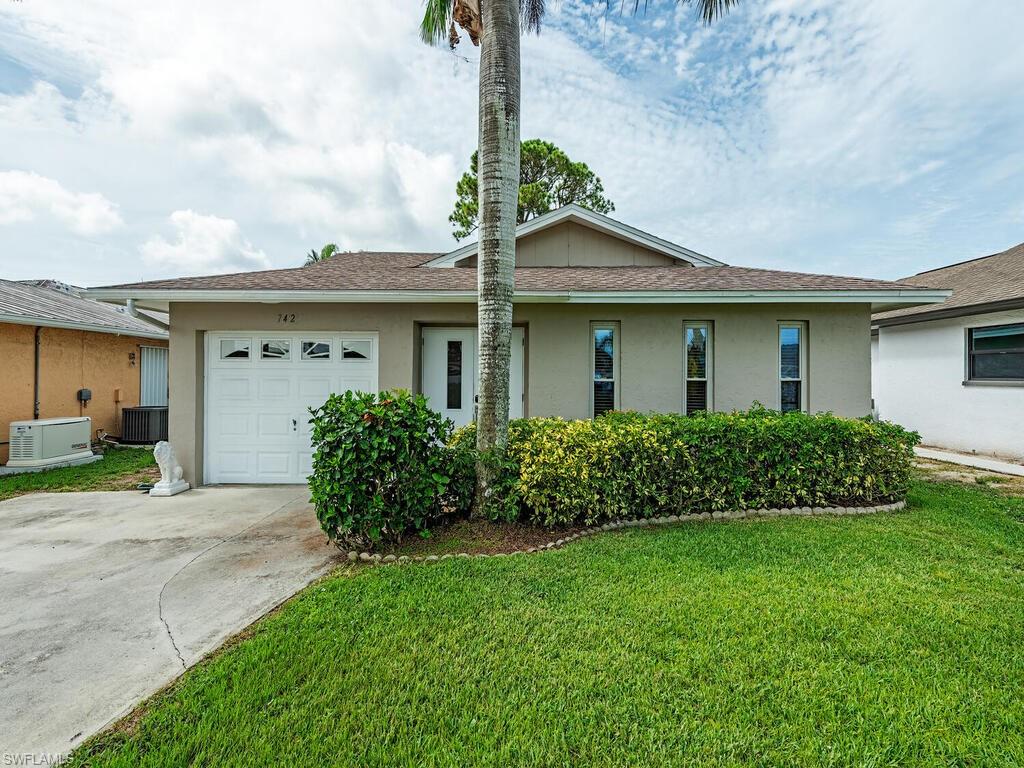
(316, 350)
(275, 349)
(235, 349)
(357, 349)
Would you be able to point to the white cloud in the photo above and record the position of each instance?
(202, 245)
(24, 196)
(810, 134)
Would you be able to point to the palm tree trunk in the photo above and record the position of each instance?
(499, 192)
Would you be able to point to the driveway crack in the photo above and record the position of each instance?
(173, 576)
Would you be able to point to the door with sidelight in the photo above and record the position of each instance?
(449, 372)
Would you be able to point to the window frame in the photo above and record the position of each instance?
(803, 328)
(357, 339)
(331, 344)
(709, 363)
(448, 374)
(615, 327)
(275, 340)
(969, 354)
(249, 357)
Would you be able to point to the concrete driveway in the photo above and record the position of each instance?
(106, 597)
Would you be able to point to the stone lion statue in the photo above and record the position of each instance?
(171, 473)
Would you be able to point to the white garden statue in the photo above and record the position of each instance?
(170, 471)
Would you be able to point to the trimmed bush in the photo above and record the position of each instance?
(382, 468)
(636, 465)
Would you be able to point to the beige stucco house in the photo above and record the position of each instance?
(606, 317)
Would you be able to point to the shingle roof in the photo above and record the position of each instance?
(43, 305)
(976, 283)
(368, 271)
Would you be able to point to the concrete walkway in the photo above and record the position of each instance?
(970, 460)
(107, 597)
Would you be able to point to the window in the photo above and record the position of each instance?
(316, 350)
(276, 349)
(357, 349)
(454, 374)
(605, 394)
(234, 349)
(697, 363)
(996, 353)
(792, 365)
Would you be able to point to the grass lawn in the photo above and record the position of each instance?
(883, 640)
(120, 470)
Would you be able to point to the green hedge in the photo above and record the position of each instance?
(633, 465)
(381, 467)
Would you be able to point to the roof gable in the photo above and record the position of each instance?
(594, 221)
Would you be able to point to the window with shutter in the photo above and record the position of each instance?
(697, 363)
(605, 364)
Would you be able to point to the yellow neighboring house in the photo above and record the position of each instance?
(54, 343)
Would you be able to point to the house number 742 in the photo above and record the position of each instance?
(286, 318)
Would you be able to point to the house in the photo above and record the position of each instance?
(55, 342)
(955, 371)
(606, 317)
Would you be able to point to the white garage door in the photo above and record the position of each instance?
(259, 387)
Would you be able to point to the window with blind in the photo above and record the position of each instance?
(605, 364)
(792, 365)
(697, 362)
(996, 353)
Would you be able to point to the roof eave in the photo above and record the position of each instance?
(89, 327)
(878, 298)
(942, 313)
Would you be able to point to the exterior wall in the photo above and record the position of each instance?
(573, 245)
(68, 361)
(558, 375)
(919, 383)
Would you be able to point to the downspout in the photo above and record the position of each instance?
(130, 307)
(35, 394)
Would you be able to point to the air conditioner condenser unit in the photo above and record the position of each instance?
(43, 442)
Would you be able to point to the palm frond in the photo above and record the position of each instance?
(707, 10)
(437, 21)
(531, 12)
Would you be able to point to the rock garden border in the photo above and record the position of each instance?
(740, 514)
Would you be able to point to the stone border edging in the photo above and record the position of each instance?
(740, 514)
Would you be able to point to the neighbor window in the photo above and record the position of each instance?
(316, 350)
(605, 364)
(356, 349)
(697, 363)
(996, 353)
(234, 349)
(792, 365)
(275, 349)
(454, 374)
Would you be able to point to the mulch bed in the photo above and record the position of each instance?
(481, 537)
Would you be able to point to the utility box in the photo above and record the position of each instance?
(42, 442)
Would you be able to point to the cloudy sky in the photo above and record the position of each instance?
(143, 139)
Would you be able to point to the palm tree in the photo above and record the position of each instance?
(495, 26)
(314, 257)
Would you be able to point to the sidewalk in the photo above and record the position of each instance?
(969, 460)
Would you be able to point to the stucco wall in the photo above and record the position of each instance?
(918, 382)
(69, 361)
(558, 353)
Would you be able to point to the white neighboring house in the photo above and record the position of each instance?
(955, 371)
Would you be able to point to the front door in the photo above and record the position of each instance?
(449, 373)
